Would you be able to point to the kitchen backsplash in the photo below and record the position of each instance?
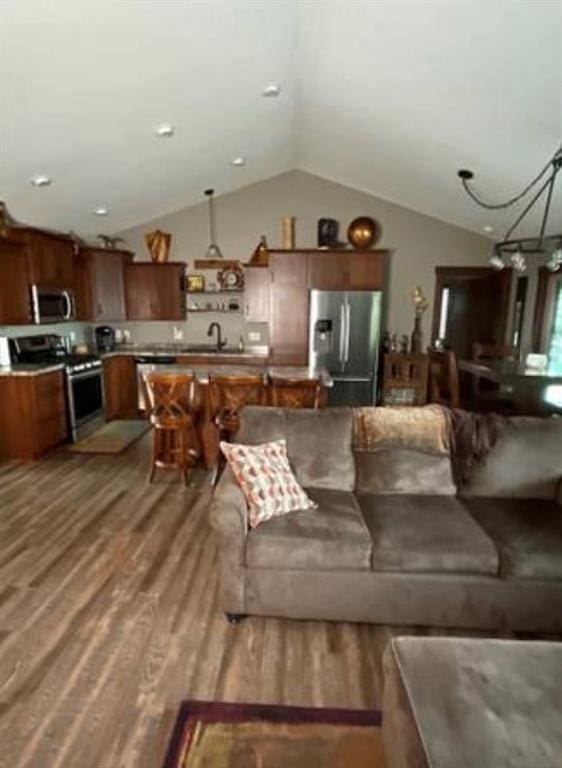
(193, 330)
(80, 331)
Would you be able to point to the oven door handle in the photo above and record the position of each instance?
(85, 374)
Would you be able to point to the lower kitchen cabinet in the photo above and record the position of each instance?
(33, 416)
(120, 387)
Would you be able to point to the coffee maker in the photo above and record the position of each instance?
(105, 339)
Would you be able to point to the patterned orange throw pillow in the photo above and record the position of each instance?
(267, 480)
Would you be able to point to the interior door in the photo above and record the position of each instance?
(471, 304)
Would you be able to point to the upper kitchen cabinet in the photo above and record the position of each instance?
(256, 294)
(155, 291)
(288, 296)
(100, 284)
(15, 306)
(50, 256)
(346, 270)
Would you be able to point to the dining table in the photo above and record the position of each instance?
(532, 390)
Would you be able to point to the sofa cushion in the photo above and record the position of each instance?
(332, 537)
(526, 462)
(527, 533)
(404, 471)
(318, 442)
(426, 534)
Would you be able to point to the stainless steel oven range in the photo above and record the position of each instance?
(83, 376)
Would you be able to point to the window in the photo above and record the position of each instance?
(555, 342)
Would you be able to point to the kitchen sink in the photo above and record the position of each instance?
(208, 349)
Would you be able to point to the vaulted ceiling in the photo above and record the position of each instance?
(388, 97)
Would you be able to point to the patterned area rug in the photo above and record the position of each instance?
(113, 437)
(221, 735)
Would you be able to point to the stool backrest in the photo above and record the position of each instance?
(170, 396)
(295, 393)
(229, 393)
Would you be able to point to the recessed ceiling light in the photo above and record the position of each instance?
(238, 162)
(488, 228)
(101, 210)
(271, 90)
(40, 180)
(164, 130)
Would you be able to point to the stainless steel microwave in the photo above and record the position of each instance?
(52, 305)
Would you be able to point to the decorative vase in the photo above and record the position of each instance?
(327, 233)
(288, 232)
(362, 232)
(159, 245)
(416, 341)
(260, 256)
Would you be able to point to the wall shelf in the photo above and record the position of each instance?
(223, 290)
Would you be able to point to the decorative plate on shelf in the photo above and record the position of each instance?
(231, 278)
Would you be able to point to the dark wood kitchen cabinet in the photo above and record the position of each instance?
(50, 257)
(293, 274)
(256, 294)
(155, 291)
(15, 306)
(33, 417)
(346, 270)
(120, 387)
(100, 284)
(288, 326)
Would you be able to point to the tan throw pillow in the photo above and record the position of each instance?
(265, 476)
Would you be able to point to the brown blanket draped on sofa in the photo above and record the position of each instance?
(465, 436)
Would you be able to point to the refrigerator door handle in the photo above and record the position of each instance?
(347, 330)
(342, 336)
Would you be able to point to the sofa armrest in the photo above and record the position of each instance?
(559, 492)
(229, 511)
(229, 518)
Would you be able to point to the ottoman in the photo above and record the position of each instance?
(463, 703)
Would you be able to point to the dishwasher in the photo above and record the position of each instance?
(149, 364)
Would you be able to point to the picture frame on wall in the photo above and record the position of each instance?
(195, 283)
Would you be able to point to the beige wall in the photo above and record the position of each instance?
(419, 243)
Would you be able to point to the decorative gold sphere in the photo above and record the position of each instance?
(362, 232)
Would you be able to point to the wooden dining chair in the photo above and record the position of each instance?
(481, 351)
(172, 405)
(295, 393)
(443, 379)
(487, 395)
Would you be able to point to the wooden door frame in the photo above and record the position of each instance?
(445, 274)
(544, 308)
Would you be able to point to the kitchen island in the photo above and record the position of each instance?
(204, 422)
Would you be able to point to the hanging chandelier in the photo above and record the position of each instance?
(511, 250)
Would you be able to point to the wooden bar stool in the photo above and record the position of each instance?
(228, 394)
(295, 393)
(171, 400)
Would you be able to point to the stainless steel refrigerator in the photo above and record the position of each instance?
(344, 337)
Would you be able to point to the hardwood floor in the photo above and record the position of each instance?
(109, 618)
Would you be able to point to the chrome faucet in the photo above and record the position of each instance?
(220, 342)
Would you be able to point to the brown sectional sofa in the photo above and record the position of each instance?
(392, 541)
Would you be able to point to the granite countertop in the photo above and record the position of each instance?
(30, 369)
(183, 350)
